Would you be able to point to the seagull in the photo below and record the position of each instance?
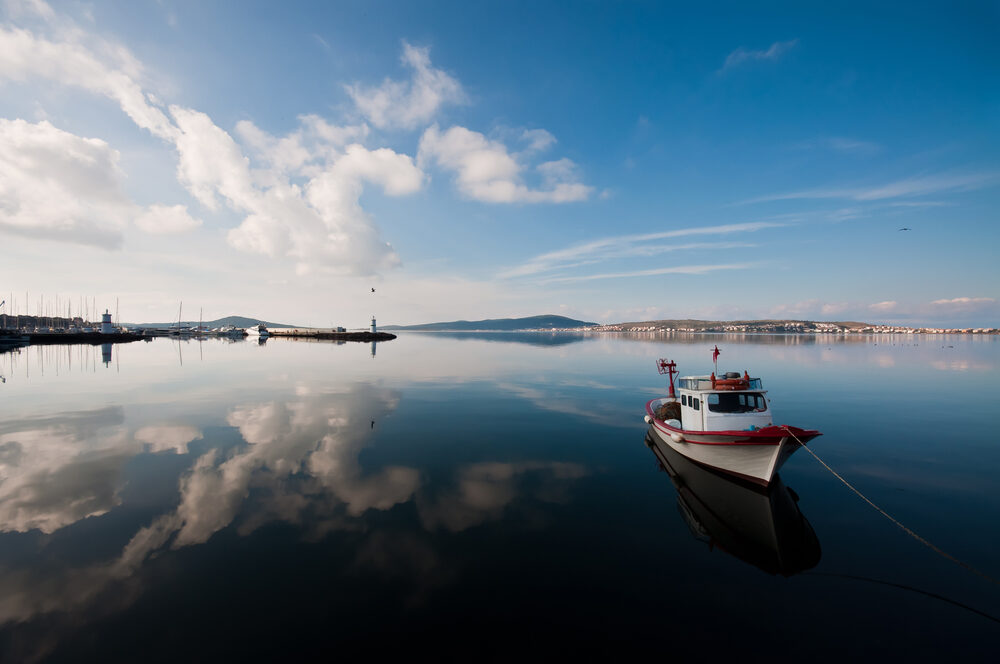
(373, 290)
(902, 229)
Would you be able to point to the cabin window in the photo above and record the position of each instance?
(684, 399)
(735, 403)
(694, 403)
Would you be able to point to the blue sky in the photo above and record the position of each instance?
(606, 161)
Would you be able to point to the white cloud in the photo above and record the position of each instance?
(408, 104)
(882, 307)
(743, 55)
(537, 139)
(623, 246)
(320, 224)
(486, 171)
(99, 67)
(963, 301)
(19, 8)
(60, 186)
(167, 220)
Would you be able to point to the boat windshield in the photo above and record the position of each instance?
(736, 402)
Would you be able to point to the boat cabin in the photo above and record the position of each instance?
(729, 403)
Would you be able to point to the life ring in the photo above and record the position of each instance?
(730, 383)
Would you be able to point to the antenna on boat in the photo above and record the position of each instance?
(668, 367)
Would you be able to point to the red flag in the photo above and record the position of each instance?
(715, 354)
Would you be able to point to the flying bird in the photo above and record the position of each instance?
(904, 228)
(373, 290)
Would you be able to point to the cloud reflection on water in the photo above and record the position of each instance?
(297, 462)
(55, 471)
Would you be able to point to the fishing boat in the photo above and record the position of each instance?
(724, 422)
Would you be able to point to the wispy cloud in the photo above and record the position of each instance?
(840, 144)
(963, 301)
(915, 186)
(630, 245)
(743, 55)
(677, 269)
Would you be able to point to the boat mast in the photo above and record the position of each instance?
(668, 367)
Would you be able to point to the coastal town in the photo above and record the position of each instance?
(783, 327)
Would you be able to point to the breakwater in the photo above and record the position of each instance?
(310, 333)
(43, 338)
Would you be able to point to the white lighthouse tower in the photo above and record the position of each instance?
(373, 324)
(106, 327)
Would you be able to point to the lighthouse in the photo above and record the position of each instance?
(373, 324)
(106, 327)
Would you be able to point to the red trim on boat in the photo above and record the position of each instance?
(770, 435)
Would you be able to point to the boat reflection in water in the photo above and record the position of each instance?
(760, 526)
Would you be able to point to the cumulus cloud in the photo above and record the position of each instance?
(408, 104)
(743, 55)
(299, 196)
(167, 220)
(486, 171)
(320, 224)
(57, 185)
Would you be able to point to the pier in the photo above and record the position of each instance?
(43, 338)
(320, 333)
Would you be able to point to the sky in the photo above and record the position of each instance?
(607, 161)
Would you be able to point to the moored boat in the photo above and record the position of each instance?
(724, 422)
(258, 330)
(231, 331)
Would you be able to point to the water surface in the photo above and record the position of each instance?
(488, 497)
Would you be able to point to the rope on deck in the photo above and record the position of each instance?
(881, 511)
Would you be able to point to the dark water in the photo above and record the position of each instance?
(489, 499)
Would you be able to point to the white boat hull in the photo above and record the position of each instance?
(755, 462)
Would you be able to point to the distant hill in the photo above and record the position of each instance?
(235, 321)
(548, 322)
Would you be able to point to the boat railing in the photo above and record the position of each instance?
(705, 383)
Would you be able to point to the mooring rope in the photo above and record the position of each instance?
(881, 511)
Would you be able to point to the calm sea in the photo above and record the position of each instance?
(490, 497)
